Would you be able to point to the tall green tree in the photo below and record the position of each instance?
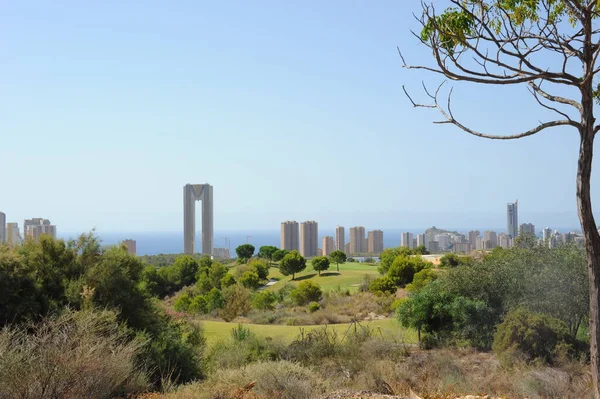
(245, 251)
(553, 48)
(279, 254)
(292, 263)
(338, 257)
(320, 263)
(266, 252)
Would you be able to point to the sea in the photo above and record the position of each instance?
(153, 243)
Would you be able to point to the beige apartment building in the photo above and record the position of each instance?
(13, 234)
(327, 246)
(37, 227)
(309, 233)
(340, 238)
(358, 243)
(290, 237)
(375, 242)
(131, 246)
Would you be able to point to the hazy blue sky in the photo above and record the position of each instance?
(291, 110)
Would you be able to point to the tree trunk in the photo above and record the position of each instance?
(591, 236)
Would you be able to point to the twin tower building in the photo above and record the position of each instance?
(191, 194)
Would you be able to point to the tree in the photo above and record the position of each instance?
(250, 280)
(264, 300)
(306, 292)
(260, 267)
(338, 257)
(245, 251)
(552, 46)
(237, 302)
(266, 252)
(292, 263)
(421, 250)
(320, 263)
(450, 260)
(279, 254)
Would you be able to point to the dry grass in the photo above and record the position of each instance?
(77, 355)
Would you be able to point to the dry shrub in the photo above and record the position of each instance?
(76, 355)
(274, 380)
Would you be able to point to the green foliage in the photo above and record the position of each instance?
(245, 251)
(537, 336)
(241, 333)
(264, 300)
(450, 28)
(182, 303)
(214, 300)
(313, 307)
(292, 263)
(421, 279)
(306, 292)
(421, 250)
(198, 305)
(279, 254)
(237, 302)
(451, 260)
(338, 257)
(250, 280)
(227, 280)
(183, 272)
(320, 263)
(266, 252)
(403, 268)
(382, 285)
(369, 260)
(350, 260)
(260, 267)
(389, 254)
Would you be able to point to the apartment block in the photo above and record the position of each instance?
(131, 246)
(375, 242)
(309, 233)
(13, 234)
(2, 228)
(290, 236)
(406, 240)
(340, 238)
(37, 227)
(327, 245)
(358, 243)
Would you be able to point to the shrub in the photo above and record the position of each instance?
(214, 300)
(182, 303)
(237, 302)
(535, 335)
(450, 260)
(227, 280)
(250, 280)
(365, 283)
(382, 285)
(421, 279)
(403, 268)
(264, 300)
(260, 267)
(313, 307)
(198, 304)
(85, 354)
(306, 292)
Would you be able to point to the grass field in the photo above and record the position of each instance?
(349, 276)
(218, 330)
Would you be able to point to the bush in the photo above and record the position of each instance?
(450, 260)
(421, 279)
(237, 302)
(198, 305)
(382, 285)
(260, 267)
(306, 292)
(264, 300)
(214, 300)
(313, 307)
(182, 303)
(403, 269)
(85, 354)
(227, 281)
(535, 335)
(250, 280)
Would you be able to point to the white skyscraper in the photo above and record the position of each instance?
(512, 219)
(443, 240)
(2, 228)
(406, 240)
(421, 240)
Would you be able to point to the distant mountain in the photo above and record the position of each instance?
(434, 230)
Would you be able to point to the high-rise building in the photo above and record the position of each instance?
(36, 227)
(512, 219)
(221, 253)
(357, 240)
(420, 240)
(406, 240)
(526, 228)
(309, 233)
(340, 239)
(13, 235)
(479, 243)
(2, 228)
(473, 234)
(443, 241)
(375, 242)
(191, 194)
(131, 246)
(290, 236)
(504, 240)
(327, 245)
(490, 240)
(547, 234)
(462, 247)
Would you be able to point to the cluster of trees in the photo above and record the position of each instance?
(468, 303)
(46, 277)
(400, 267)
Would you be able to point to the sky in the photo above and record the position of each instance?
(291, 110)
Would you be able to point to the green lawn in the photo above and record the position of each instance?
(349, 276)
(218, 330)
